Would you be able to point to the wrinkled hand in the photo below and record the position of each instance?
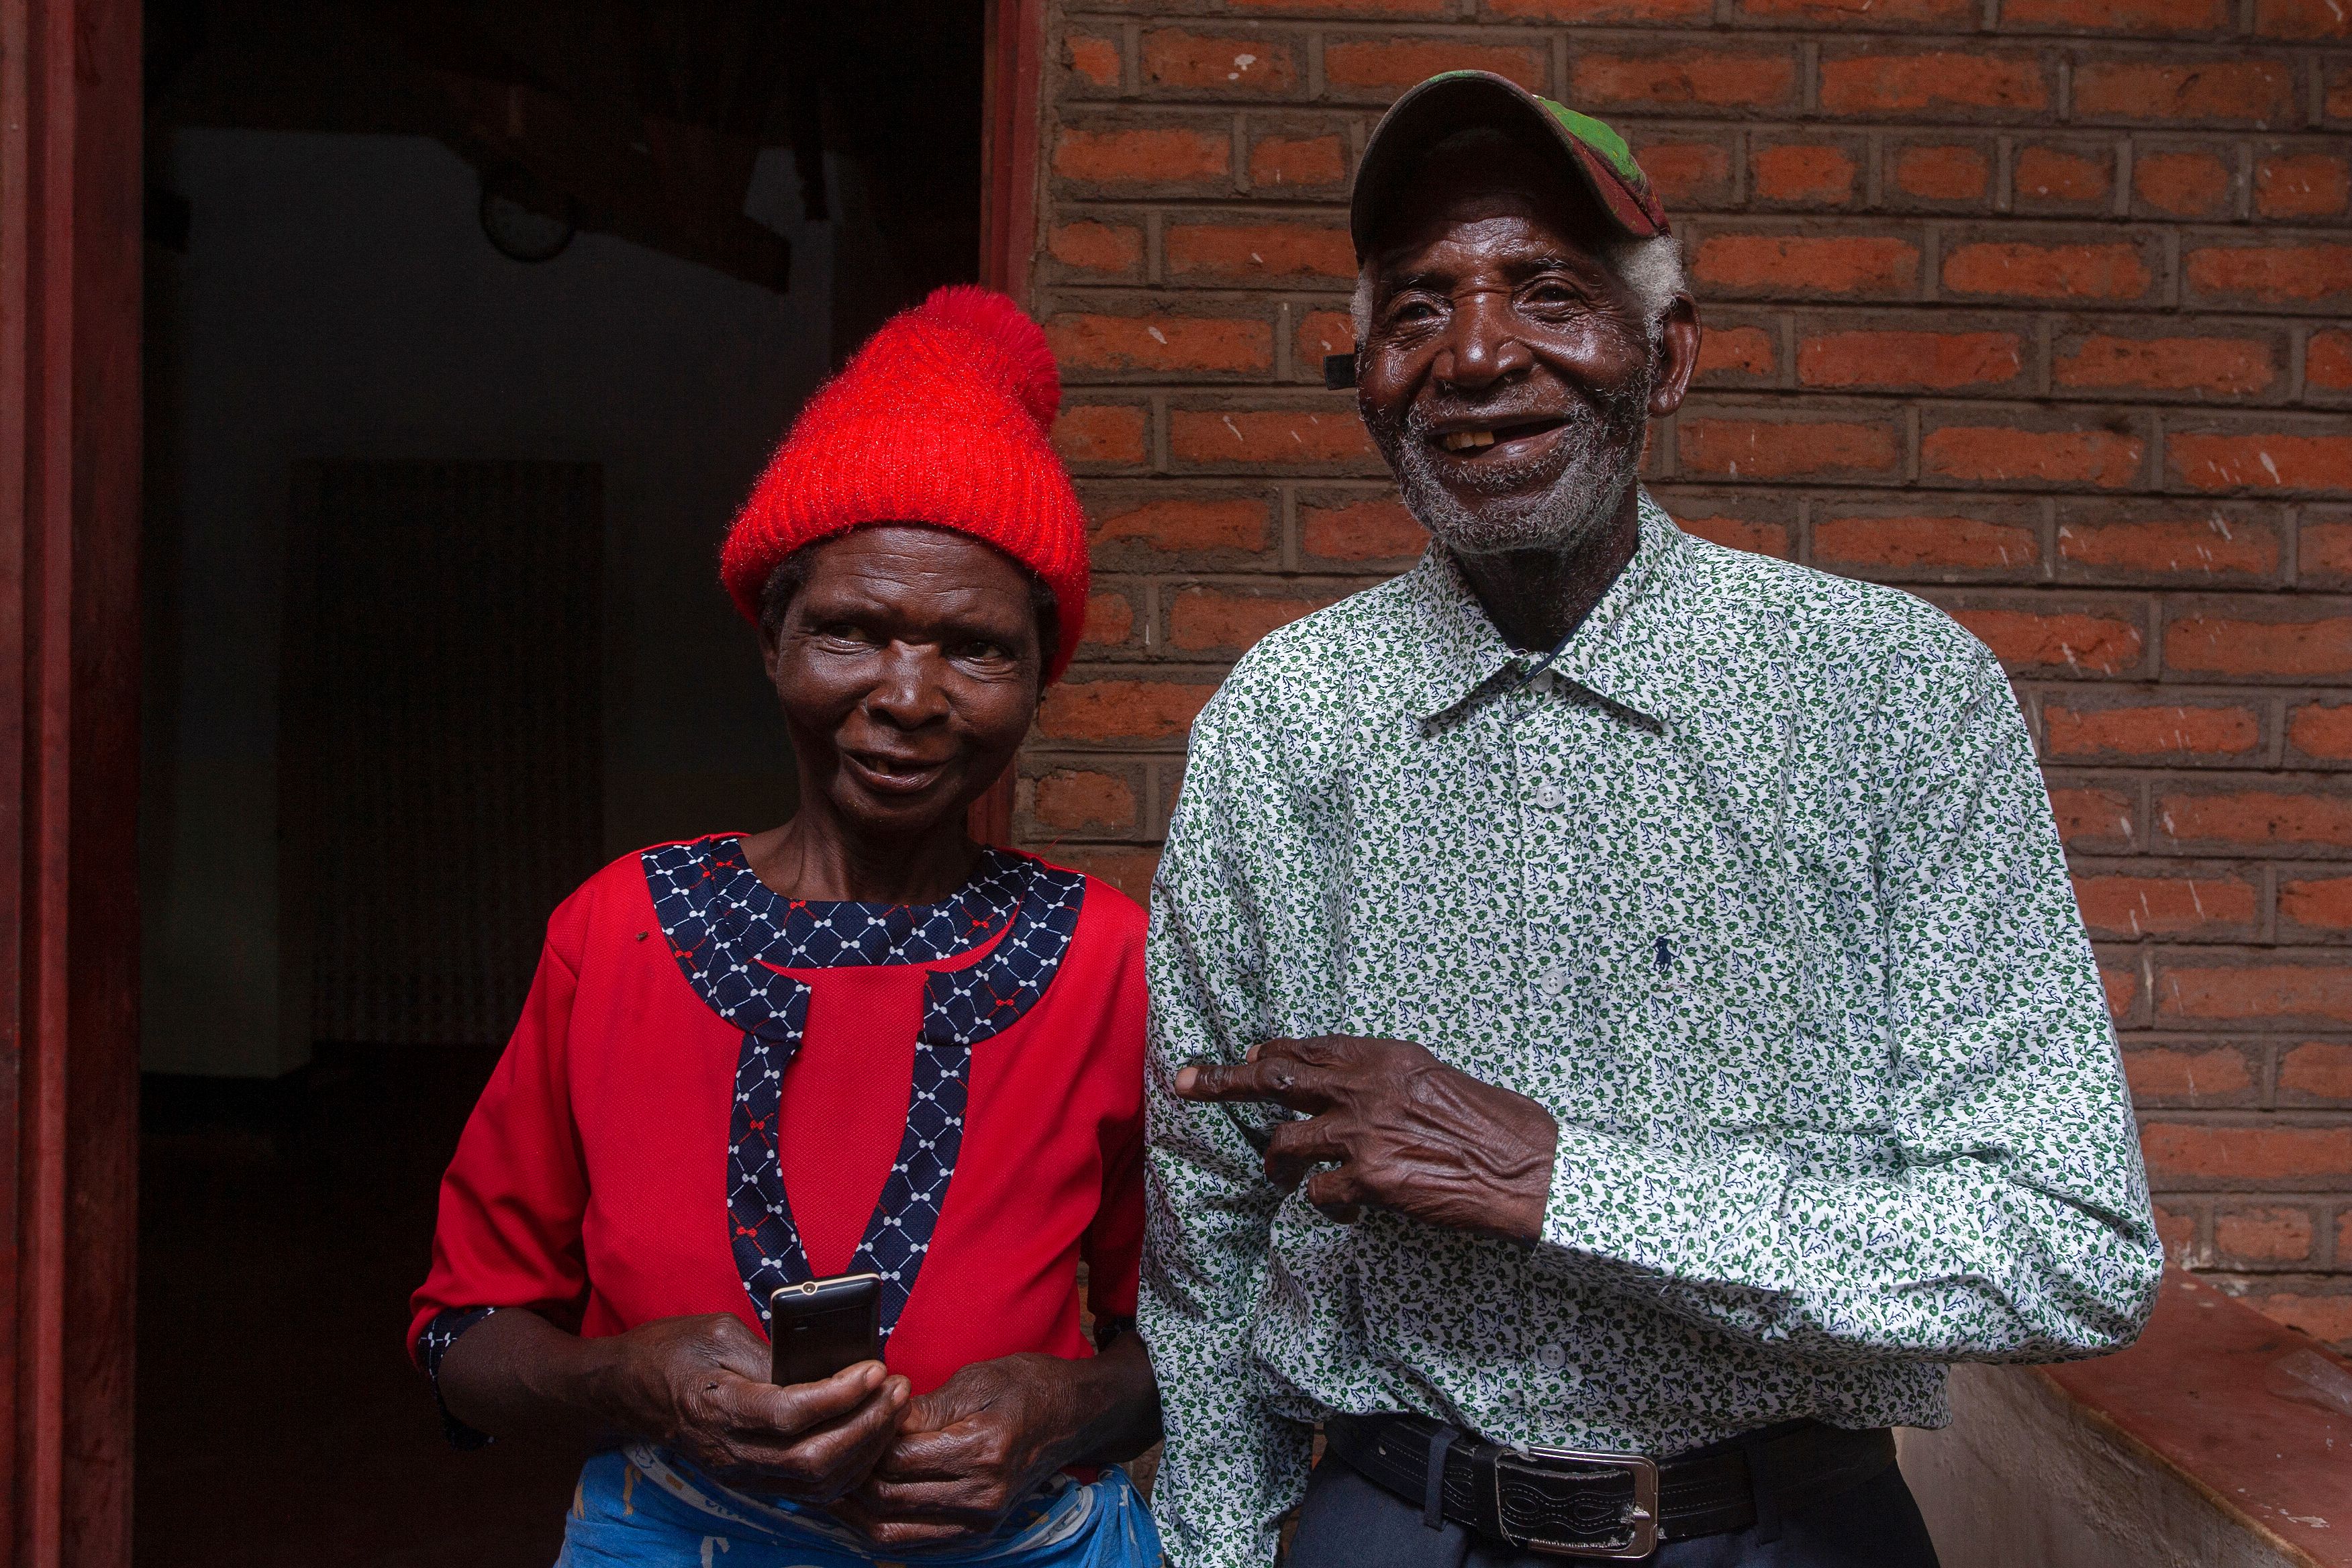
(968, 1451)
(1405, 1131)
(701, 1385)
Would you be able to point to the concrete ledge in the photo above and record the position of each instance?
(2222, 1441)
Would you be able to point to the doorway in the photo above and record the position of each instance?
(468, 325)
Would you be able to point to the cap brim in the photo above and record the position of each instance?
(1460, 100)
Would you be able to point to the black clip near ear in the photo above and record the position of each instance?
(1338, 372)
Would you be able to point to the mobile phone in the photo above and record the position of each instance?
(821, 1326)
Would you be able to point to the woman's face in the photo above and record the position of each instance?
(908, 669)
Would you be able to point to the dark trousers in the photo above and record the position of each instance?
(1348, 1522)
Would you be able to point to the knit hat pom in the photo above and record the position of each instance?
(1033, 378)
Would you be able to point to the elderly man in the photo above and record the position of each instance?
(1620, 1021)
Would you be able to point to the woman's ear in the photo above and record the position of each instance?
(771, 646)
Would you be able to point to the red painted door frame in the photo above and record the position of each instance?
(1008, 232)
(69, 323)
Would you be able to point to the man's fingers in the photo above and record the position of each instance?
(768, 1430)
(1337, 1194)
(1281, 1079)
(1296, 1147)
(940, 1456)
(798, 1407)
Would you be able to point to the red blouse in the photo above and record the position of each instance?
(714, 1091)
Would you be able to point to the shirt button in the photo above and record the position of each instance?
(1554, 981)
(1549, 797)
(1551, 1358)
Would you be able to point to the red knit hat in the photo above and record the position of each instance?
(940, 418)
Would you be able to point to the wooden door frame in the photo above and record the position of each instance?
(70, 128)
(1008, 233)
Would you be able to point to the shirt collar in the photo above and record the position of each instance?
(1615, 658)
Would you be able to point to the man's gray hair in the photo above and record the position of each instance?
(1651, 269)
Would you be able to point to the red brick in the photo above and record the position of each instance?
(2322, 730)
(1189, 526)
(1937, 360)
(2115, 271)
(2005, 453)
(2183, 184)
(1141, 156)
(1280, 436)
(1276, 161)
(2187, 1150)
(1375, 529)
(1907, 543)
(2317, 903)
(1121, 709)
(2175, 1232)
(2058, 176)
(1944, 14)
(1093, 56)
(1806, 174)
(1205, 620)
(1865, 266)
(1110, 621)
(2224, 367)
(1323, 333)
(2031, 639)
(2135, 906)
(2266, 1234)
(2336, 100)
(1737, 351)
(1389, 66)
(2306, 647)
(1259, 250)
(1130, 870)
(2121, 984)
(2185, 1077)
(2171, 88)
(2271, 820)
(2090, 818)
(2205, 461)
(1728, 447)
(2308, 184)
(2273, 274)
(1160, 343)
(1687, 174)
(2303, 19)
(2201, 547)
(1208, 63)
(2327, 361)
(1711, 78)
(1600, 12)
(2317, 1070)
(1096, 246)
(1740, 533)
(1881, 82)
(1100, 433)
(1076, 798)
(2153, 732)
(2117, 15)
(1947, 174)
(2326, 551)
(2327, 1318)
(1382, 8)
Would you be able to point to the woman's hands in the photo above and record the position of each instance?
(701, 1385)
(983, 1440)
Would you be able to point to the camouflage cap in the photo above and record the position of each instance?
(1456, 100)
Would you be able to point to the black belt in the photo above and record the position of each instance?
(1567, 1503)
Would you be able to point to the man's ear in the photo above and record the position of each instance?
(1678, 339)
(770, 639)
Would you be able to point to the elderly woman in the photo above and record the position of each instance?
(857, 1043)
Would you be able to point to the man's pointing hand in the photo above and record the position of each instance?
(1400, 1128)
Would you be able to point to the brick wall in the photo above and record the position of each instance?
(2038, 308)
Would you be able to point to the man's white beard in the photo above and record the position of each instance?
(1604, 455)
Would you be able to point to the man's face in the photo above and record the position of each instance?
(1506, 372)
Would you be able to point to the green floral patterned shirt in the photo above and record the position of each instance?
(1756, 890)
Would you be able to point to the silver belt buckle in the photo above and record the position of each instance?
(1637, 1533)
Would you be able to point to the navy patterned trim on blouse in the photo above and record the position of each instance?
(731, 934)
(433, 1344)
